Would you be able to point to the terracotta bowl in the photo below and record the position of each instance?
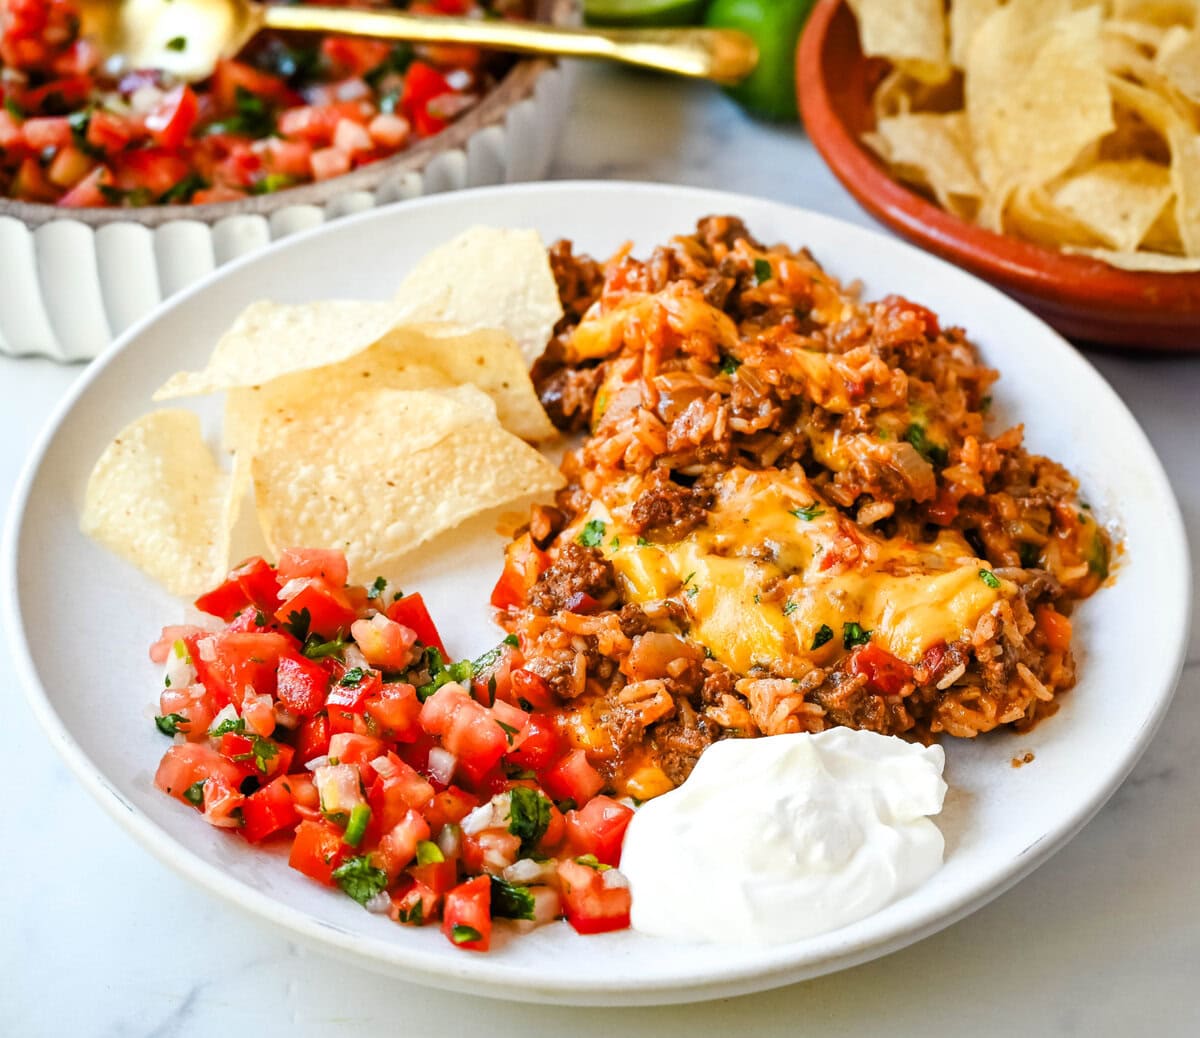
(1083, 298)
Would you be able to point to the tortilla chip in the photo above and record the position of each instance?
(966, 16)
(381, 479)
(1119, 201)
(271, 339)
(937, 148)
(1178, 59)
(1154, 261)
(158, 498)
(487, 277)
(1031, 214)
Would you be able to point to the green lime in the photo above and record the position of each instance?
(643, 12)
(775, 25)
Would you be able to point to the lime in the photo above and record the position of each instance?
(643, 12)
(775, 25)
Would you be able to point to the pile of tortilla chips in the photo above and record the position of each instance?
(1070, 123)
(366, 426)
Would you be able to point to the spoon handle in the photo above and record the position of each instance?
(721, 55)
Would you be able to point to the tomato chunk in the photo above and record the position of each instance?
(411, 612)
(594, 900)
(302, 684)
(269, 810)
(466, 917)
(328, 564)
(327, 608)
(573, 778)
(885, 674)
(317, 851)
(599, 828)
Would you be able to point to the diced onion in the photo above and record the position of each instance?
(442, 764)
(207, 647)
(286, 718)
(449, 841)
(353, 657)
(316, 762)
(479, 819)
(227, 713)
(293, 587)
(379, 903)
(527, 871)
(383, 766)
(613, 879)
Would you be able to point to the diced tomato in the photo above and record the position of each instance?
(237, 661)
(65, 93)
(313, 739)
(317, 851)
(395, 710)
(524, 562)
(885, 674)
(247, 752)
(450, 806)
(398, 845)
(513, 721)
(943, 509)
(185, 764)
(31, 184)
(328, 163)
(466, 916)
(317, 123)
(223, 802)
(110, 133)
(69, 167)
(87, 194)
(248, 621)
(1054, 627)
(416, 906)
(531, 688)
(468, 730)
(591, 903)
(397, 789)
(258, 711)
(352, 748)
(440, 876)
(328, 564)
(388, 130)
(354, 55)
(289, 158)
(252, 582)
(219, 193)
(351, 692)
(328, 609)
(47, 132)
(302, 684)
(153, 169)
(386, 644)
(573, 778)
(492, 850)
(422, 83)
(172, 119)
(269, 810)
(12, 138)
(351, 137)
(194, 704)
(241, 167)
(411, 612)
(599, 828)
(230, 75)
(172, 633)
(542, 745)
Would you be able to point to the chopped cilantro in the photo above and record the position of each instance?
(989, 578)
(260, 618)
(166, 682)
(271, 183)
(360, 879)
(414, 916)
(315, 649)
(854, 634)
(789, 608)
(808, 513)
(177, 43)
(463, 934)
(729, 364)
(512, 639)
(229, 725)
(182, 191)
(376, 589)
(615, 542)
(194, 794)
(429, 853)
(642, 542)
(1030, 555)
(356, 828)
(397, 62)
(442, 673)
(508, 730)
(262, 752)
(824, 634)
(932, 452)
(169, 723)
(529, 815)
(352, 677)
(14, 109)
(510, 902)
(251, 117)
(298, 623)
(593, 533)
(762, 270)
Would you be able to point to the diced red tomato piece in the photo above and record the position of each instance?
(185, 764)
(289, 158)
(153, 169)
(253, 582)
(327, 563)
(69, 167)
(269, 810)
(239, 661)
(542, 746)
(67, 92)
(395, 710)
(943, 509)
(328, 163)
(573, 778)
(51, 131)
(416, 906)
(590, 903)
(386, 644)
(450, 806)
(352, 748)
(885, 674)
(599, 828)
(468, 730)
(302, 684)
(223, 802)
(110, 133)
(351, 692)
(411, 612)
(531, 688)
(172, 633)
(351, 137)
(219, 193)
(524, 562)
(440, 876)
(313, 739)
(230, 75)
(397, 789)
(194, 704)
(354, 55)
(389, 130)
(87, 194)
(247, 752)
(172, 119)
(317, 851)
(1054, 627)
(513, 721)
(31, 184)
(328, 609)
(398, 845)
(466, 916)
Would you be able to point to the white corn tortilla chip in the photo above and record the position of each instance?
(487, 277)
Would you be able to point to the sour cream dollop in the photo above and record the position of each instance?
(776, 839)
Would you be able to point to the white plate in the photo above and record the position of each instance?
(81, 619)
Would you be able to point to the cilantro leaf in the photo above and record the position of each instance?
(352, 677)
(729, 364)
(512, 639)
(251, 117)
(376, 589)
(854, 634)
(510, 902)
(789, 608)
(592, 534)
(463, 934)
(989, 578)
(762, 270)
(169, 723)
(824, 634)
(932, 452)
(230, 724)
(808, 513)
(360, 879)
(529, 815)
(298, 623)
(194, 794)
(315, 649)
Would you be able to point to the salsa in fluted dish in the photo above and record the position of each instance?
(290, 110)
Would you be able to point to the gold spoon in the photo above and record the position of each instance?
(186, 37)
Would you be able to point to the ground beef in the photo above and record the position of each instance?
(667, 511)
(633, 620)
(577, 570)
(679, 741)
(568, 394)
(544, 523)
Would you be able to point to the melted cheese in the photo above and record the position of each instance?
(752, 581)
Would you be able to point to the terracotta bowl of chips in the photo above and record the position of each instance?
(72, 280)
(1085, 299)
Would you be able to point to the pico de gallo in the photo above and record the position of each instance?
(330, 715)
(290, 110)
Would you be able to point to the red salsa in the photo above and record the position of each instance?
(291, 109)
(328, 715)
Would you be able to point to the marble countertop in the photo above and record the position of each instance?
(98, 938)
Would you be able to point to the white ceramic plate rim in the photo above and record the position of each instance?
(484, 975)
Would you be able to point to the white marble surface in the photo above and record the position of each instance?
(97, 938)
